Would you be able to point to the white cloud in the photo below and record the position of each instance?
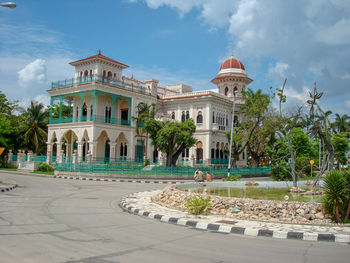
(312, 37)
(166, 77)
(347, 103)
(33, 73)
(279, 70)
(337, 34)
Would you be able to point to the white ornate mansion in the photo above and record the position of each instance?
(102, 103)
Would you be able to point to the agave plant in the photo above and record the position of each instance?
(336, 195)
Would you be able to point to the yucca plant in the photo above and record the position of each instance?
(336, 195)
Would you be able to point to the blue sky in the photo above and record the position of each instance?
(181, 41)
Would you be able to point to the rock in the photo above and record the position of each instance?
(320, 215)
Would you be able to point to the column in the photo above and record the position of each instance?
(61, 103)
(82, 95)
(80, 152)
(94, 105)
(208, 118)
(130, 109)
(117, 116)
(58, 151)
(131, 146)
(92, 148)
(114, 97)
(48, 152)
(51, 102)
(112, 151)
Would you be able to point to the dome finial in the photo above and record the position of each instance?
(99, 51)
(232, 55)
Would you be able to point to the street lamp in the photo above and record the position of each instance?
(8, 4)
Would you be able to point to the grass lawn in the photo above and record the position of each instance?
(42, 172)
(8, 169)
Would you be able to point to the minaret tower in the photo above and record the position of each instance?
(232, 78)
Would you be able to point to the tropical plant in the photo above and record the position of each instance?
(231, 178)
(35, 127)
(44, 167)
(340, 123)
(337, 196)
(198, 205)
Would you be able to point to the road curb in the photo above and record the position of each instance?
(146, 181)
(225, 229)
(6, 189)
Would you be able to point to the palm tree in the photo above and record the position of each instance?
(35, 126)
(340, 123)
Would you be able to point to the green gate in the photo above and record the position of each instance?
(139, 151)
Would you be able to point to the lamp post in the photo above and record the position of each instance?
(8, 4)
(230, 150)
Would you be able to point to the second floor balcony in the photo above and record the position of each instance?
(93, 118)
(99, 79)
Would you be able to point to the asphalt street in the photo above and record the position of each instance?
(57, 220)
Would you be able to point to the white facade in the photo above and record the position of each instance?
(104, 103)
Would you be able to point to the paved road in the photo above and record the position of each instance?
(56, 220)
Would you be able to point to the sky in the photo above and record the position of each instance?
(181, 41)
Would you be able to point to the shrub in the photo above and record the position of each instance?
(232, 178)
(281, 173)
(198, 205)
(336, 200)
(44, 167)
(147, 162)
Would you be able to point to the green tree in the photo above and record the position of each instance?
(171, 137)
(255, 106)
(340, 123)
(35, 127)
(341, 147)
(263, 137)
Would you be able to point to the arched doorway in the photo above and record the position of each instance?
(107, 151)
(199, 152)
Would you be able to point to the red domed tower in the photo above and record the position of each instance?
(232, 78)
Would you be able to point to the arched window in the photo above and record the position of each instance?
(243, 155)
(226, 121)
(84, 109)
(235, 91)
(91, 111)
(173, 115)
(212, 153)
(187, 115)
(213, 117)
(226, 91)
(121, 152)
(77, 112)
(199, 117)
(125, 150)
(183, 117)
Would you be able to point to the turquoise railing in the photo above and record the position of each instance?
(219, 161)
(156, 170)
(14, 158)
(92, 118)
(98, 78)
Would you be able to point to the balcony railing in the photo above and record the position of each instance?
(91, 118)
(101, 79)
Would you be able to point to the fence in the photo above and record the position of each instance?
(130, 169)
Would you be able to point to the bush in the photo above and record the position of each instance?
(231, 178)
(198, 205)
(336, 200)
(44, 167)
(281, 173)
(147, 162)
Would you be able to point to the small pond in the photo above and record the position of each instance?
(264, 191)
